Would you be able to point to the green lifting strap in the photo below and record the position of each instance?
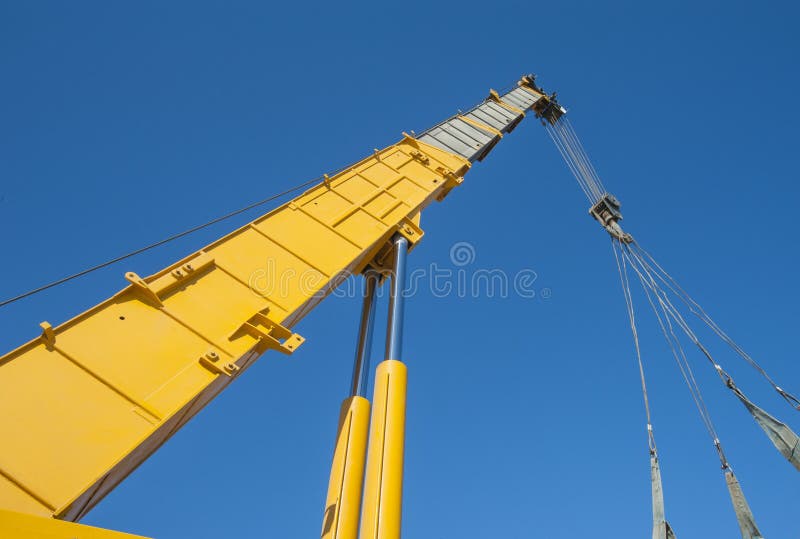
(661, 528)
(784, 439)
(747, 524)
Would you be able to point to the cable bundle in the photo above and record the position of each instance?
(666, 298)
(571, 149)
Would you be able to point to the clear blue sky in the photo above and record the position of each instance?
(121, 123)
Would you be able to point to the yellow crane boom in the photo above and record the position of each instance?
(89, 400)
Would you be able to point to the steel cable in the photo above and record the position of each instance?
(626, 291)
(700, 313)
(651, 288)
(569, 146)
(160, 243)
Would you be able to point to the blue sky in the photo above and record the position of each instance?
(123, 123)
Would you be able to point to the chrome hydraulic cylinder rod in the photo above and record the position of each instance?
(394, 330)
(383, 486)
(365, 328)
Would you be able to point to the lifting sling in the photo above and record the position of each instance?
(744, 516)
(784, 439)
(661, 528)
(657, 285)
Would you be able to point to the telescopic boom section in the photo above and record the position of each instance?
(84, 404)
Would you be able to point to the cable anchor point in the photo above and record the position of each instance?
(606, 212)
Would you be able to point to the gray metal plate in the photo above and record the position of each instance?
(457, 136)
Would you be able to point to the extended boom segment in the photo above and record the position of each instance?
(84, 404)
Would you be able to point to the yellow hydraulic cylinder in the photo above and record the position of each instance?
(383, 490)
(343, 504)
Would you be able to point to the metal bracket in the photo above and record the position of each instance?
(382, 261)
(48, 334)
(211, 362)
(529, 80)
(607, 213)
(412, 232)
(270, 334)
(154, 287)
(451, 180)
(421, 157)
(193, 267)
(144, 289)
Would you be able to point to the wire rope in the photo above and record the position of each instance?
(158, 243)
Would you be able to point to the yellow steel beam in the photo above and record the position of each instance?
(88, 401)
(85, 403)
(21, 526)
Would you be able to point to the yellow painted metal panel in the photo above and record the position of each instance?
(323, 248)
(265, 267)
(379, 204)
(327, 205)
(353, 186)
(360, 227)
(92, 398)
(20, 526)
(58, 424)
(18, 502)
(127, 333)
(396, 159)
(407, 191)
(210, 305)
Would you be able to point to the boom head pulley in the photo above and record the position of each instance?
(547, 108)
(607, 212)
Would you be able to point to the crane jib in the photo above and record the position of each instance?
(88, 401)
